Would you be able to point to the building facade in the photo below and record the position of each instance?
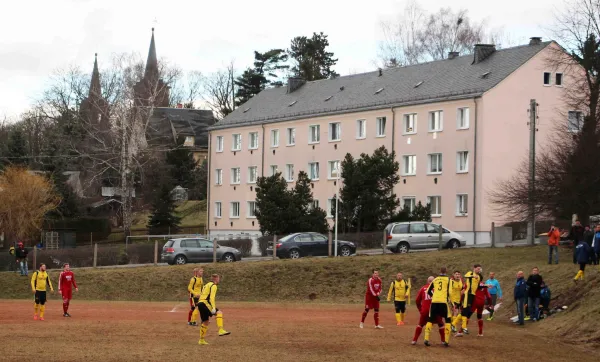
(457, 126)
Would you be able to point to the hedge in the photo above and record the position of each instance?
(243, 245)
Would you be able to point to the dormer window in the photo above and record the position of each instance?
(485, 75)
(291, 104)
(328, 98)
(246, 110)
(189, 141)
(379, 91)
(418, 84)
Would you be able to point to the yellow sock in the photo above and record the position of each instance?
(195, 314)
(203, 330)
(427, 330)
(220, 320)
(398, 317)
(402, 317)
(457, 320)
(36, 308)
(448, 330)
(464, 322)
(42, 310)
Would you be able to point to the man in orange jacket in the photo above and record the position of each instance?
(553, 241)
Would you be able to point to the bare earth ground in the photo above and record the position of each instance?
(141, 331)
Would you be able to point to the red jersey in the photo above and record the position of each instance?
(374, 287)
(423, 300)
(481, 295)
(66, 281)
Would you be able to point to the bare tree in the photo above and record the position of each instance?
(219, 91)
(187, 90)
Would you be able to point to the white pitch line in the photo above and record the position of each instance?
(175, 308)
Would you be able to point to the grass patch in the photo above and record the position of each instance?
(192, 213)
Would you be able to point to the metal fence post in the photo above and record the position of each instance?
(441, 236)
(95, 254)
(329, 243)
(493, 234)
(384, 242)
(155, 252)
(274, 247)
(215, 250)
(91, 239)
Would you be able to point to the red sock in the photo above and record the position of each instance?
(443, 333)
(190, 315)
(417, 333)
(376, 317)
(480, 323)
(65, 306)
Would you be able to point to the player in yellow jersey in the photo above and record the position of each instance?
(39, 282)
(439, 290)
(399, 290)
(195, 288)
(456, 294)
(208, 308)
(471, 283)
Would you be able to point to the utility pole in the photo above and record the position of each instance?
(532, 130)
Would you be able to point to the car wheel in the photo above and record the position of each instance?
(228, 258)
(453, 244)
(403, 248)
(294, 254)
(180, 260)
(345, 251)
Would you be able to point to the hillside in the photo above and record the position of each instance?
(343, 280)
(192, 213)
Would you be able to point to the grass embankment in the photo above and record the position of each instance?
(192, 214)
(343, 281)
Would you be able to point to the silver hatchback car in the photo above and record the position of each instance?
(404, 236)
(196, 250)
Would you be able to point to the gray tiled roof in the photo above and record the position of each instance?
(442, 80)
(182, 121)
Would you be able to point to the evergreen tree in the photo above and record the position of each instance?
(421, 212)
(313, 61)
(69, 205)
(17, 148)
(264, 73)
(183, 165)
(163, 218)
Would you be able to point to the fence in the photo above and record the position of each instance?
(117, 236)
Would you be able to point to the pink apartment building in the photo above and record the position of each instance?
(457, 126)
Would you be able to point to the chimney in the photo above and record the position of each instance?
(482, 51)
(452, 55)
(536, 40)
(294, 83)
(380, 72)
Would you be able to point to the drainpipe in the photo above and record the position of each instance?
(393, 128)
(475, 174)
(208, 187)
(262, 150)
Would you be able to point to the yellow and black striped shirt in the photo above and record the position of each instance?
(209, 295)
(439, 289)
(195, 286)
(40, 280)
(472, 282)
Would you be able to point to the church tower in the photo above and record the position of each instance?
(151, 90)
(94, 108)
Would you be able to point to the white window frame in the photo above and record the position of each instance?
(218, 209)
(233, 136)
(310, 171)
(361, 129)
(290, 135)
(250, 206)
(439, 205)
(463, 113)
(252, 135)
(462, 200)
(274, 137)
(439, 163)
(276, 169)
(219, 176)
(330, 205)
(380, 125)
(231, 209)
(405, 159)
(569, 123)
(413, 202)
(250, 168)
(562, 79)
(458, 162)
(549, 84)
(339, 127)
(330, 169)
(239, 175)
(405, 123)
(220, 143)
(315, 204)
(289, 167)
(311, 139)
(431, 119)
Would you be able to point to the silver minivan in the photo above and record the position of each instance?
(404, 236)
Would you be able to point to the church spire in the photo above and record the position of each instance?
(152, 62)
(95, 83)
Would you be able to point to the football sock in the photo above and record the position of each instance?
(65, 306)
(464, 322)
(220, 320)
(195, 314)
(457, 320)
(398, 318)
(480, 323)
(203, 330)
(376, 318)
(448, 329)
(42, 310)
(190, 315)
(417, 333)
(442, 331)
(427, 331)
(36, 308)
(402, 317)
(364, 315)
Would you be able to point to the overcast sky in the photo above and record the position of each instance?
(39, 36)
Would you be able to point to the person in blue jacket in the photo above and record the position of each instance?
(596, 246)
(495, 292)
(583, 252)
(520, 294)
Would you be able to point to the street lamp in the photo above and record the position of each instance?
(336, 169)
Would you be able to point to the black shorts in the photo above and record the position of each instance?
(205, 313)
(438, 310)
(400, 306)
(40, 297)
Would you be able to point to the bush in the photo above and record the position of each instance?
(264, 242)
(243, 245)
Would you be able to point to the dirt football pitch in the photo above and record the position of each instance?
(141, 331)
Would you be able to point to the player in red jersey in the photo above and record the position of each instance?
(423, 303)
(482, 295)
(66, 282)
(372, 299)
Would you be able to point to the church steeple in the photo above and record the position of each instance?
(152, 61)
(151, 91)
(95, 89)
(94, 108)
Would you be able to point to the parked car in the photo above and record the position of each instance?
(298, 245)
(196, 250)
(404, 236)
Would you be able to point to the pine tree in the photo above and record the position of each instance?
(17, 148)
(264, 73)
(163, 218)
(313, 61)
(421, 212)
(183, 165)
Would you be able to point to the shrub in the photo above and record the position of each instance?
(243, 245)
(264, 242)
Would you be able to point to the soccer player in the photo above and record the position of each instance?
(456, 294)
(372, 299)
(399, 290)
(481, 296)
(423, 303)
(495, 293)
(208, 308)
(439, 290)
(471, 282)
(39, 282)
(195, 288)
(66, 282)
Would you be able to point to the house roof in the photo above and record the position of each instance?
(434, 81)
(166, 124)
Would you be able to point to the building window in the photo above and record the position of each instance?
(219, 176)
(219, 143)
(435, 163)
(333, 170)
(462, 162)
(189, 141)
(291, 136)
(275, 138)
(380, 124)
(462, 201)
(462, 118)
(361, 129)
(558, 79)
(252, 174)
(409, 165)
(436, 205)
(218, 209)
(234, 211)
(314, 134)
(330, 207)
(335, 131)
(315, 204)
(436, 121)
(251, 209)
(274, 170)
(547, 77)
(237, 142)
(313, 171)
(253, 142)
(575, 122)
(289, 172)
(409, 202)
(235, 175)
(410, 123)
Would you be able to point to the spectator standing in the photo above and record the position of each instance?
(596, 246)
(588, 235)
(583, 251)
(520, 294)
(553, 241)
(545, 296)
(576, 235)
(495, 293)
(21, 255)
(12, 266)
(534, 284)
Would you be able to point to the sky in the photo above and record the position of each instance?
(37, 37)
